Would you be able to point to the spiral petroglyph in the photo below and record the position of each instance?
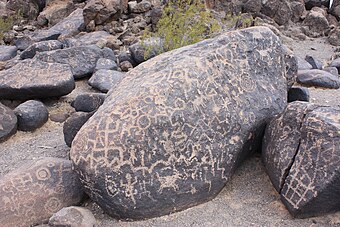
(172, 132)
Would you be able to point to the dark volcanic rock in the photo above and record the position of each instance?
(316, 23)
(73, 217)
(82, 59)
(31, 115)
(316, 3)
(7, 52)
(35, 191)
(336, 63)
(40, 47)
(8, 122)
(88, 102)
(315, 63)
(143, 51)
(104, 80)
(303, 64)
(301, 151)
(31, 79)
(318, 78)
(332, 70)
(298, 94)
(172, 132)
(73, 124)
(28, 8)
(104, 63)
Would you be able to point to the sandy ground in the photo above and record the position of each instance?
(249, 199)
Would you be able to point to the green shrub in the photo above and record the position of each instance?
(183, 22)
(5, 25)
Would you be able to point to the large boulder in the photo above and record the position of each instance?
(301, 151)
(27, 8)
(82, 60)
(172, 132)
(8, 122)
(37, 190)
(32, 79)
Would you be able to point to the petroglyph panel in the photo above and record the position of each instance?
(37, 190)
(306, 162)
(31, 79)
(171, 133)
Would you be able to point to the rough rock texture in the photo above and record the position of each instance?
(316, 23)
(278, 10)
(7, 52)
(104, 63)
(31, 79)
(40, 47)
(73, 124)
(318, 78)
(55, 12)
(104, 79)
(298, 94)
(82, 60)
(88, 102)
(28, 8)
(35, 191)
(171, 133)
(101, 11)
(8, 122)
(89, 38)
(31, 115)
(73, 217)
(334, 36)
(140, 51)
(301, 153)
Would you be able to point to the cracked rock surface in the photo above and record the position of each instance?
(301, 153)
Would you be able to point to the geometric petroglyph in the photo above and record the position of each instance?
(302, 155)
(34, 192)
(171, 133)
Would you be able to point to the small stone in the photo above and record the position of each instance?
(59, 117)
(298, 94)
(125, 66)
(73, 124)
(40, 47)
(124, 56)
(31, 115)
(8, 122)
(318, 78)
(7, 52)
(303, 64)
(104, 63)
(336, 63)
(104, 80)
(73, 217)
(315, 63)
(88, 102)
(332, 70)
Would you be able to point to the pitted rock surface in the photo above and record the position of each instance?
(37, 190)
(82, 60)
(301, 153)
(171, 133)
(31, 79)
(8, 122)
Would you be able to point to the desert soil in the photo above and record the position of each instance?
(249, 199)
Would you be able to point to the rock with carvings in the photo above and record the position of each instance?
(8, 122)
(301, 153)
(172, 132)
(37, 190)
(40, 47)
(30, 79)
(82, 60)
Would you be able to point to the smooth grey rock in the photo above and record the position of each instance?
(104, 80)
(172, 132)
(303, 64)
(88, 102)
(315, 63)
(73, 124)
(298, 94)
(332, 70)
(8, 122)
(30, 79)
(104, 63)
(73, 217)
(318, 78)
(82, 60)
(40, 47)
(93, 37)
(37, 190)
(301, 151)
(31, 115)
(7, 52)
(336, 63)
